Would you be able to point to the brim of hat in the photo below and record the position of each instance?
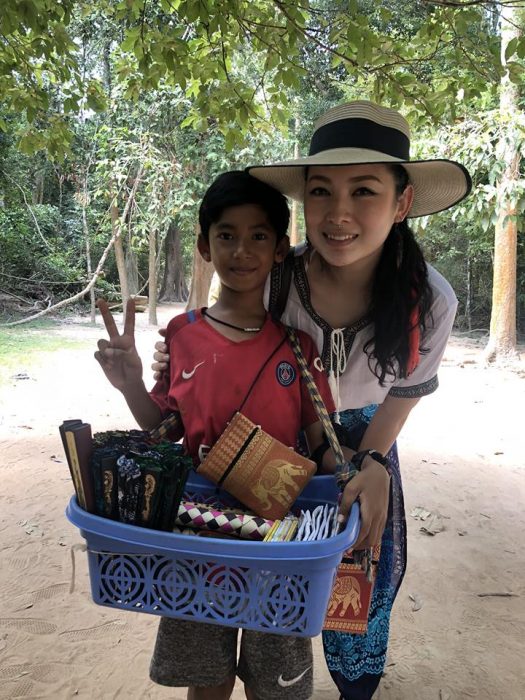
(438, 184)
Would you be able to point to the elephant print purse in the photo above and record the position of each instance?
(351, 595)
(261, 472)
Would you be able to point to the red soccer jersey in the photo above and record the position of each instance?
(210, 377)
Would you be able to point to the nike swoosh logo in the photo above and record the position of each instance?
(292, 681)
(189, 375)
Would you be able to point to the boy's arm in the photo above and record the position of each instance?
(145, 411)
(121, 364)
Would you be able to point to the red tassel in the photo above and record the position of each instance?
(414, 337)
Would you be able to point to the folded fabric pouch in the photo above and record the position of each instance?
(261, 472)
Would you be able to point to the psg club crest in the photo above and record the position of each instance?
(285, 373)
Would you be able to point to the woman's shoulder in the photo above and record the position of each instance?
(442, 291)
(300, 249)
(280, 284)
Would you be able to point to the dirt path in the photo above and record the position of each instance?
(461, 456)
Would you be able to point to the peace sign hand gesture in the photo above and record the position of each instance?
(118, 356)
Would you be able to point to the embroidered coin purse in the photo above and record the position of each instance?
(261, 472)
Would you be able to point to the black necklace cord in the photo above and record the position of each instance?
(283, 341)
(230, 325)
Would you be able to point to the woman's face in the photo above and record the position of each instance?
(350, 209)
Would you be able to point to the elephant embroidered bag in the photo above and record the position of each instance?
(351, 595)
(261, 472)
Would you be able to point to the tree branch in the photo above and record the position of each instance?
(28, 207)
(99, 267)
(79, 295)
(469, 3)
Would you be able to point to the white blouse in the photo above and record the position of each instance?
(357, 384)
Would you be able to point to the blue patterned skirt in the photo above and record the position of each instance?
(356, 661)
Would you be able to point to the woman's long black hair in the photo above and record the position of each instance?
(400, 285)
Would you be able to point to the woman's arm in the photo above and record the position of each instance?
(372, 485)
(386, 424)
(161, 358)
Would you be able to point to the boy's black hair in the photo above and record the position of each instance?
(236, 188)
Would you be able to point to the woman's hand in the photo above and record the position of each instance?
(371, 486)
(160, 356)
(118, 356)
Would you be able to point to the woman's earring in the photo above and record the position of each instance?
(399, 235)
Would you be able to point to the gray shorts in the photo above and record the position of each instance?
(273, 666)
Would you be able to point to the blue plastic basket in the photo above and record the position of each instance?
(278, 587)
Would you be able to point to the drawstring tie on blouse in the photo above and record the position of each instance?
(338, 361)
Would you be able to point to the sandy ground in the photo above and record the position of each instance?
(462, 458)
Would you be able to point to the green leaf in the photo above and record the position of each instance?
(510, 49)
(520, 49)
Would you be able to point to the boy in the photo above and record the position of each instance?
(222, 359)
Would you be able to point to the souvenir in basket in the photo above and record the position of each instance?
(261, 472)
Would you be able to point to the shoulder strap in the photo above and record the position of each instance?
(343, 472)
(280, 281)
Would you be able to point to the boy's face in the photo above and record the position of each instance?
(243, 247)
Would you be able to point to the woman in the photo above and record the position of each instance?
(381, 318)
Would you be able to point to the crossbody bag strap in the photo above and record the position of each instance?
(174, 421)
(166, 426)
(281, 343)
(343, 472)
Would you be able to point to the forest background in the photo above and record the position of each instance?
(115, 116)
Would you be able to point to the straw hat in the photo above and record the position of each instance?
(363, 132)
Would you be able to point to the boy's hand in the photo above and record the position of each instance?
(160, 356)
(372, 487)
(118, 356)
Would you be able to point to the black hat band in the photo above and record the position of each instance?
(361, 133)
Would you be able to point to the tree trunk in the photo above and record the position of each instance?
(502, 340)
(132, 272)
(294, 231)
(117, 225)
(38, 191)
(200, 281)
(468, 303)
(116, 230)
(152, 277)
(85, 201)
(174, 286)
